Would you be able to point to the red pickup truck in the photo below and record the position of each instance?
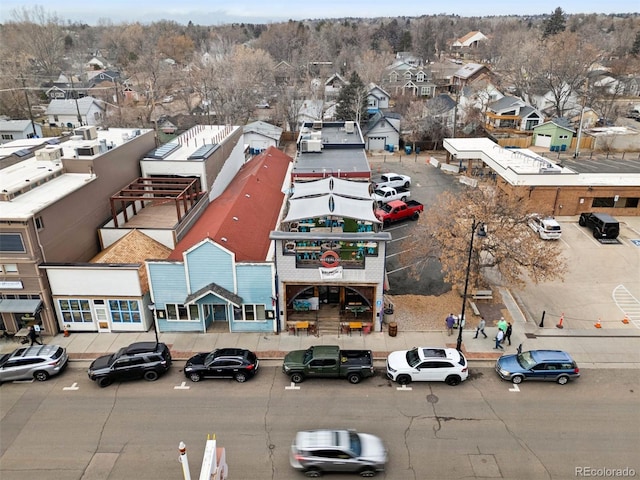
(398, 210)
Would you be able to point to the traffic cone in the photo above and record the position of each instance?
(598, 324)
(625, 320)
(65, 332)
(559, 325)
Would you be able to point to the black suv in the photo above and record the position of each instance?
(236, 363)
(602, 224)
(146, 360)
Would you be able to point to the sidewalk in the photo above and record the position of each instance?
(603, 348)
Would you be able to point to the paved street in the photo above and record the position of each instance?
(482, 428)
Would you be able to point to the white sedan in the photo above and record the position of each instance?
(427, 364)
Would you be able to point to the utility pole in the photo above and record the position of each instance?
(26, 96)
(75, 96)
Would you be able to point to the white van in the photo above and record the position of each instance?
(546, 227)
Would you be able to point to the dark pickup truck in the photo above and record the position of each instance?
(328, 361)
(398, 210)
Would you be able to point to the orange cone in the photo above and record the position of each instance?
(625, 320)
(559, 325)
(598, 324)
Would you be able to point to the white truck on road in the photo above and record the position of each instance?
(384, 195)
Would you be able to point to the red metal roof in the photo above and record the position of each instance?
(246, 212)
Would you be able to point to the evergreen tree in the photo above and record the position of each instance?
(352, 100)
(555, 24)
(635, 48)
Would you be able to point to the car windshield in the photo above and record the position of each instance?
(354, 444)
(386, 208)
(379, 193)
(413, 358)
(526, 360)
(4, 358)
(119, 353)
(210, 358)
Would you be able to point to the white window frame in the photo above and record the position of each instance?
(185, 313)
(248, 313)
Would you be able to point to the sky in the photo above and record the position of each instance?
(216, 12)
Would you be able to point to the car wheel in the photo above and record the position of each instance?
(368, 472)
(517, 379)
(404, 379)
(407, 184)
(404, 199)
(415, 216)
(240, 377)
(41, 376)
(151, 375)
(612, 232)
(582, 222)
(563, 380)
(353, 378)
(104, 382)
(453, 380)
(297, 378)
(313, 473)
(597, 233)
(195, 377)
(386, 223)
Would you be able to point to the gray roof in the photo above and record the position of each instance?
(468, 70)
(505, 102)
(68, 107)
(263, 128)
(14, 125)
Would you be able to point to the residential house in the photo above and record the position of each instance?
(222, 272)
(309, 111)
(19, 129)
(511, 115)
(332, 87)
(66, 86)
(405, 79)
(377, 99)
(284, 73)
(463, 46)
(470, 73)
(381, 131)
(261, 135)
(570, 103)
(556, 134)
(75, 112)
(51, 205)
(110, 293)
(443, 109)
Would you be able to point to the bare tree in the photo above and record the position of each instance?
(509, 251)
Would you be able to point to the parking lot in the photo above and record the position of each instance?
(602, 282)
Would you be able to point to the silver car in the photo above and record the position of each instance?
(38, 361)
(343, 451)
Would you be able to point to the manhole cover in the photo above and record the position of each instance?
(431, 398)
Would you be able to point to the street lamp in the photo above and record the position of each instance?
(481, 233)
(152, 309)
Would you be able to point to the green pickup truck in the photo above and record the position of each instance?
(328, 361)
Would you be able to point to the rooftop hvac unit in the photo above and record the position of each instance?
(349, 127)
(49, 154)
(88, 150)
(311, 146)
(317, 124)
(88, 133)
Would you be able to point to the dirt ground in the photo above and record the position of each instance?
(427, 312)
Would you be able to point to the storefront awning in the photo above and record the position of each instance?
(19, 305)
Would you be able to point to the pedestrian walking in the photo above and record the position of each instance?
(507, 334)
(502, 324)
(480, 327)
(499, 338)
(450, 321)
(33, 336)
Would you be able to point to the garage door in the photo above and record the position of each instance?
(543, 140)
(376, 143)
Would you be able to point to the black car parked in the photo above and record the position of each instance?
(146, 360)
(236, 363)
(603, 225)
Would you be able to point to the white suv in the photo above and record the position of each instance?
(427, 364)
(546, 227)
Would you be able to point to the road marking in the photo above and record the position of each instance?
(29, 380)
(404, 388)
(292, 387)
(74, 386)
(515, 388)
(182, 386)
